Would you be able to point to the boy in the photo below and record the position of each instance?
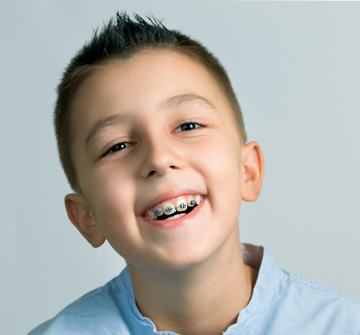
(152, 141)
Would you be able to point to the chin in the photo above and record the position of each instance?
(185, 259)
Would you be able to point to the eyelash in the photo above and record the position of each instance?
(111, 151)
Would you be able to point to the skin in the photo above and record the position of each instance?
(180, 276)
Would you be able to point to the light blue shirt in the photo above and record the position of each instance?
(281, 303)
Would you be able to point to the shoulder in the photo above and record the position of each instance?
(317, 306)
(98, 311)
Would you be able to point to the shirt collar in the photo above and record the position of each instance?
(266, 287)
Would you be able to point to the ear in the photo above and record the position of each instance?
(81, 218)
(252, 171)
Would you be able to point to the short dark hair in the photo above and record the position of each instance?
(122, 38)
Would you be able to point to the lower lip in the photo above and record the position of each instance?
(167, 224)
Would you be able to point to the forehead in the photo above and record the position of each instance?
(140, 85)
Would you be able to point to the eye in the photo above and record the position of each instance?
(190, 125)
(114, 148)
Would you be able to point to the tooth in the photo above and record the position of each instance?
(181, 204)
(169, 208)
(151, 215)
(197, 199)
(191, 202)
(175, 216)
(158, 211)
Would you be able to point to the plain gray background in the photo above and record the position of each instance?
(295, 68)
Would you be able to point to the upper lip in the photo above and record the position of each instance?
(167, 196)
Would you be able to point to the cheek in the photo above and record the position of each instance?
(221, 161)
(115, 213)
(221, 168)
(113, 200)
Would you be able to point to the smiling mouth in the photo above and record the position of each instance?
(174, 207)
(176, 219)
(176, 214)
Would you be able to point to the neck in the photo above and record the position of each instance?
(204, 299)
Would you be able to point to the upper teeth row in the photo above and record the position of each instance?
(170, 206)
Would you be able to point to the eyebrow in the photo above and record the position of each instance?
(172, 102)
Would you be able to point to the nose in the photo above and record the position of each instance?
(159, 155)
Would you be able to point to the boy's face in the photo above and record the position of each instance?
(149, 96)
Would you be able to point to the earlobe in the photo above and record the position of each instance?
(81, 218)
(253, 171)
